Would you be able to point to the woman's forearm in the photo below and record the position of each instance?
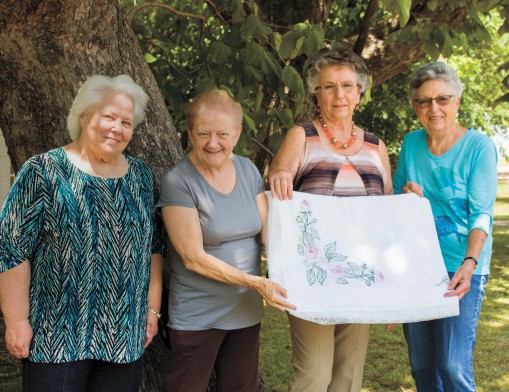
(15, 304)
(155, 289)
(14, 293)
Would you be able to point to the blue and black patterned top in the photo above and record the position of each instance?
(89, 241)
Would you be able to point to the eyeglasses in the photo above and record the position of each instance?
(331, 88)
(441, 100)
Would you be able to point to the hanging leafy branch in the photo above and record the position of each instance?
(257, 51)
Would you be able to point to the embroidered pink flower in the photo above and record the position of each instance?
(337, 270)
(379, 276)
(311, 251)
(305, 205)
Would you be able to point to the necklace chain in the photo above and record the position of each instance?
(334, 140)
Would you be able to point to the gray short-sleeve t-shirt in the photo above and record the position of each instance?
(230, 223)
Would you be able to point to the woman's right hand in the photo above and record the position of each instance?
(412, 187)
(281, 185)
(18, 335)
(274, 294)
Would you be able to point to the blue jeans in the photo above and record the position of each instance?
(441, 351)
(82, 376)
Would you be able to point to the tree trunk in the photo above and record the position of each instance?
(48, 48)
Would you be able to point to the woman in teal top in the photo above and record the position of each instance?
(80, 251)
(456, 169)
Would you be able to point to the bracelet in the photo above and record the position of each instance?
(470, 258)
(158, 315)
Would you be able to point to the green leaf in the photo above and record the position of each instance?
(432, 4)
(285, 116)
(250, 124)
(205, 84)
(403, 11)
(431, 49)
(293, 40)
(150, 58)
(472, 12)
(276, 40)
(257, 56)
(237, 10)
(314, 40)
(297, 47)
(253, 26)
(293, 80)
(219, 53)
(259, 98)
(275, 140)
(232, 37)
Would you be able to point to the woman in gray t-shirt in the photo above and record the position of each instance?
(214, 207)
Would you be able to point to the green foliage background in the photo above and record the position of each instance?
(229, 45)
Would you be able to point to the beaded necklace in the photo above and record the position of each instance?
(335, 142)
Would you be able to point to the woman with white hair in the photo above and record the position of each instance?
(456, 169)
(81, 251)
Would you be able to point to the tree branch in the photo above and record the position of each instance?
(262, 146)
(133, 11)
(364, 26)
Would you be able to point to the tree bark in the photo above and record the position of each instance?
(48, 48)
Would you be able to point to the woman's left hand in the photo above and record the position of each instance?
(151, 328)
(460, 282)
(274, 294)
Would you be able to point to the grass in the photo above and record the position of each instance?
(387, 368)
(502, 204)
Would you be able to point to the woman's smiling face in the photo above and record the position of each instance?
(436, 117)
(108, 127)
(214, 135)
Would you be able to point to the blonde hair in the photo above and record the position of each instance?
(213, 99)
(92, 93)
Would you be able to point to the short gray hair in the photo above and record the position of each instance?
(433, 71)
(92, 93)
(337, 55)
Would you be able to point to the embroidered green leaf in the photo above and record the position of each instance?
(338, 257)
(311, 275)
(307, 239)
(341, 281)
(321, 275)
(314, 233)
(300, 249)
(330, 249)
(354, 267)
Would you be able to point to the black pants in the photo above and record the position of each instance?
(82, 376)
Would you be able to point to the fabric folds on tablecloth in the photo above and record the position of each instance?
(358, 260)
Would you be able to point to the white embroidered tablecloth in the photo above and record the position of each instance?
(358, 259)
